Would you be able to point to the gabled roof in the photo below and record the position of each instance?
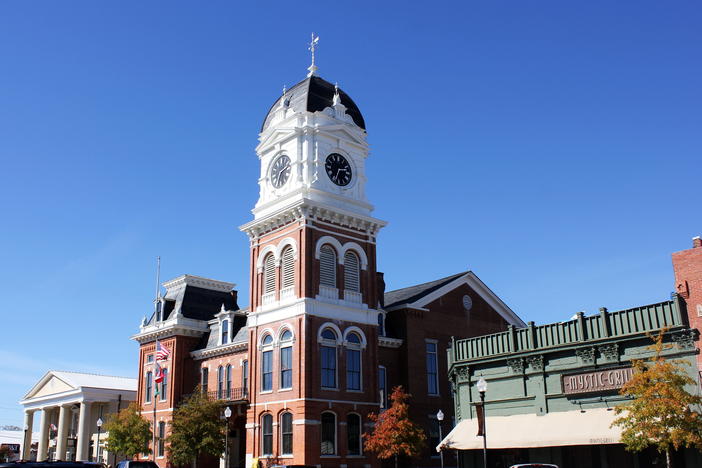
(78, 380)
(421, 295)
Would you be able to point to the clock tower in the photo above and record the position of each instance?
(315, 291)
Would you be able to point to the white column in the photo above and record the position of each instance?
(63, 426)
(83, 432)
(27, 441)
(42, 451)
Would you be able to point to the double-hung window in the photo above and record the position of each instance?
(267, 430)
(432, 369)
(328, 358)
(286, 434)
(267, 364)
(353, 362)
(148, 384)
(286, 359)
(328, 434)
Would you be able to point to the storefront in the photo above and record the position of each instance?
(551, 389)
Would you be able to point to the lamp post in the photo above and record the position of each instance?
(24, 444)
(440, 417)
(99, 425)
(482, 388)
(227, 415)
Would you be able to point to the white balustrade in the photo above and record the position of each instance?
(287, 293)
(328, 292)
(268, 298)
(353, 296)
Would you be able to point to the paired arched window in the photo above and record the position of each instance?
(353, 362)
(353, 432)
(352, 272)
(269, 274)
(329, 340)
(287, 274)
(328, 434)
(286, 340)
(267, 434)
(286, 434)
(267, 363)
(327, 266)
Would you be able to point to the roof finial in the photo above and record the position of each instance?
(313, 45)
(337, 99)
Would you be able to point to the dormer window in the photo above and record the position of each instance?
(225, 332)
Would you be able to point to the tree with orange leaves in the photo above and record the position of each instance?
(662, 412)
(394, 434)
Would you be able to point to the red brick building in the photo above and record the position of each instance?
(687, 265)
(321, 342)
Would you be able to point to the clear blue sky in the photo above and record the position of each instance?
(552, 147)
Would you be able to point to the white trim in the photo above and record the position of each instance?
(358, 250)
(355, 329)
(331, 241)
(334, 327)
(288, 241)
(269, 249)
(387, 342)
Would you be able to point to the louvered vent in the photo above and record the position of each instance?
(327, 267)
(352, 274)
(288, 268)
(269, 274)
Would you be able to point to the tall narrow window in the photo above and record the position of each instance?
(432, 369)
(220, 382)
(269, 274)
(328, 434)
(267, 364)
(352, 272)
(161, 438)
(286, 434)
(164, 384)
(353, 362)
(204, 378)
(245, 375)
(327, 266)
(353, 430)
(288, 268)
(267, 439)
(381, 324)
(148, 383)
(383, 387)
(225, 332)
(286, 359)
(328, 352)
(229, 381)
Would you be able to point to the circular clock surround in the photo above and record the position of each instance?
(280, 171)
(338, 169)
(467, 302)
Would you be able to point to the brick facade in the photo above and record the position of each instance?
(687, 265)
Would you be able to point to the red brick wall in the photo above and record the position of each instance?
(687, 265)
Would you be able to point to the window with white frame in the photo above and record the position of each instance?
(220, 382)
(328, 357)
(148, 384)
(286, 341)
(267, 434)
(352, 272)
(229, 381)
(353, 362)
(225, 332)
(353, 432)
(432, 369)
(288, 268)
(327, 266)
(269, 274)
(328, 434)
(286, 433)
(267, 364)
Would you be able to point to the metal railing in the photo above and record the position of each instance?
(229, 394)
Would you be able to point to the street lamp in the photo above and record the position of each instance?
(482, 388)
(99, 425)
(24, 444)
(227, 415)
(440, 417)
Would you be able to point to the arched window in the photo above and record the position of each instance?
(286, 434)
(267, 433)
(229, 381)
(288, 268)
(353, 431)
(225, 332)
(327, 266)
(353, 362)
(328, 358)
(286, 359)
(220, 382)
(381, 324)
(352, 272)
(267, 364)
(328, 434)
(269, 274)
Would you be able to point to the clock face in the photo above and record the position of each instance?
(280, 171)
(338, 169)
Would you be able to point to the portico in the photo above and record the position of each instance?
(69, 405)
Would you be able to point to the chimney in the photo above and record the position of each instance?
(696, 242)
(380, 282)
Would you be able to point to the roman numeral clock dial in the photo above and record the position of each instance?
(280, 171)
(338, 169)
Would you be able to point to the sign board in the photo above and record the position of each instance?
(597, 381)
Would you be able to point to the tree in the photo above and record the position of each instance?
(661, 412)
(127, 432)
(5, 453)
(394, 433)
(197, 429)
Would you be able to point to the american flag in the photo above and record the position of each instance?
(162, 352)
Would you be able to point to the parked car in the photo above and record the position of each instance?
(534, 465)
(136, 464)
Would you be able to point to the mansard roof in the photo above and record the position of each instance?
(315, 94)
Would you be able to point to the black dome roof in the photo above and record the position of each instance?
(316, 94)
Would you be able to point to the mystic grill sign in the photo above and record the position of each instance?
(598, 381)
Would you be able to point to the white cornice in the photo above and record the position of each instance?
(387, 342)
(199, 282)
(219, 350)
(177, 325)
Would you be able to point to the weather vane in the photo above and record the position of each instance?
(312, 47)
